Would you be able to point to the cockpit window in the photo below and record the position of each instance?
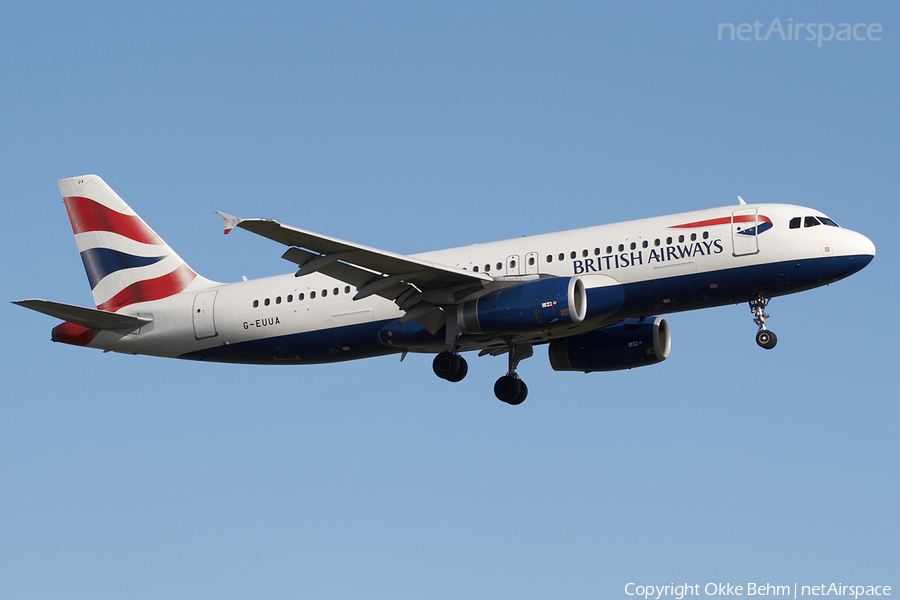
(810, 222)
(795, 223)
(828, 222)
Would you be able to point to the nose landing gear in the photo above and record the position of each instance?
(764, 338)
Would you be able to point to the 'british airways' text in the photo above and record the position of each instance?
(640, 257)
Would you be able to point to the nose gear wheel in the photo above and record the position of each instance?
(764, 338)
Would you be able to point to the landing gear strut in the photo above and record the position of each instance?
(765, 338)
(510, 388)
(450, 366)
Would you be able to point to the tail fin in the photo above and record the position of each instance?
(126, 262)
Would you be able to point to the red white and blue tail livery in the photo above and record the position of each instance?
(593, 295)
(126, 262)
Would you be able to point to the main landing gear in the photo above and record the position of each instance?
(450, 366)
(765, 338)
(510, 388)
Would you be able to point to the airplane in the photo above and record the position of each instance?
(593, 295)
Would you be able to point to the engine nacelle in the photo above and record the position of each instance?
(532, 306)
(629, 344)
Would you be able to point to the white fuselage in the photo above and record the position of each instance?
(665, 264)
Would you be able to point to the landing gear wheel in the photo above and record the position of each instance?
(766, 339)
(523, 393)
(463, 370)
(447, 365)
(507, 388)
(511, 390)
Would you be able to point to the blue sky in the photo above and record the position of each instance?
(418, 126)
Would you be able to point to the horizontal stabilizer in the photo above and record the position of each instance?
(86, 317)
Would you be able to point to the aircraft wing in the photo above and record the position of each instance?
(414, 284)
(86, 317)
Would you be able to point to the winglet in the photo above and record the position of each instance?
(230, 221)
(741, 200)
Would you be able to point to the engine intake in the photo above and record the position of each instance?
(532, 306)
(629, 344)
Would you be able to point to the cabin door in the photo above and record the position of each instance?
(744, 225)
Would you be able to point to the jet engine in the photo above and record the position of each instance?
(531, 306)
(626, 345)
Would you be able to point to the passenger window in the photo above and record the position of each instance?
(475, 268)
(256, 304)
(562, 257)
(499, 266)
(644, 244)
(656, 242)
(693, 237)
(705, 235)
(621, 247)
(312, 295)
(290, 298)
(266, 301)
(531, 261)
(572, 254)
(336, 291)
(596, 251)
(668, 241)
(795, 223)
(680, 238)
(300, 296)
(278, 300)
(811, 222)
(512, 264)
(549, 258)
(584, 253)
(347, 289)
(609, 249)
(324, 293)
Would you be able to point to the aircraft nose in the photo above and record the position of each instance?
(860, 251)
(860, 245)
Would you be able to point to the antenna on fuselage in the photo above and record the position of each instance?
(741, 200)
